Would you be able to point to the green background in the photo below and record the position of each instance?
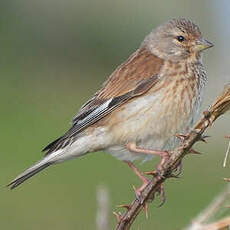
(53, 56)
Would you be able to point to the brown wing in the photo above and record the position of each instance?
(133, 78)
(141, 65)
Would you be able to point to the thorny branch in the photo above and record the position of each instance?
(219, 107)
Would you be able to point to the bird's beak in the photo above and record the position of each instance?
(203, 44)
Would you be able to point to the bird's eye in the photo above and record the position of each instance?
(180, 38)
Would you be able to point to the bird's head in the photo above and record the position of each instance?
(176, 40)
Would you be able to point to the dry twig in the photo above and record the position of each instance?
(227, 153)
(219, 107)
(103, 208)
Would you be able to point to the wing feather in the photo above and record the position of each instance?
(133, 78)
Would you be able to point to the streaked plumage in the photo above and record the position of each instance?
(149, 98)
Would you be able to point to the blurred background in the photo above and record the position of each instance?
(54, 55)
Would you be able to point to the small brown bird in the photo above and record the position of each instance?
(146, 101)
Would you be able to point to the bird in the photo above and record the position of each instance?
(148, 99)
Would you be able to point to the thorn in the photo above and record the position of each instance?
(202, 138)
(145, 206)
(137, 193)
(192, 151)
(183, 137)
(118, 216)
(227, 179)
(152, 173)
(127, 206)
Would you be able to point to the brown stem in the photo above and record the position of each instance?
(219, 107)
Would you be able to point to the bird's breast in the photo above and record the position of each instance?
(151, 119)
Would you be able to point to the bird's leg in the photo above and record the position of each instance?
(140, 189)
(163, 154)
(141, 176)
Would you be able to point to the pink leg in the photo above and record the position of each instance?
(163, 154)
(140, 175)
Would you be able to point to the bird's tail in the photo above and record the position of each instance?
(38, 167)
(78, 148)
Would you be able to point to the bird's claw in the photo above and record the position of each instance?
(138, 191)
(181, 136)
(164, 158)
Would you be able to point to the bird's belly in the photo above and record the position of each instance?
(151, 122)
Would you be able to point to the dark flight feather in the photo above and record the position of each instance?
(19, 180)
(90, 116)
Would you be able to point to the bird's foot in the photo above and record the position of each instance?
(182, 136)
(164, 158)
